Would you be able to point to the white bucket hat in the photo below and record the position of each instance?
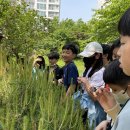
(91, 48)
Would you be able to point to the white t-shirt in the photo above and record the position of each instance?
(96, 80)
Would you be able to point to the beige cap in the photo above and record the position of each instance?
(91, 48)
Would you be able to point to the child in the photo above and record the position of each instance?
(53, 69)
(38, 67)
(92, 79)
(114, 49)
(70, 71)
(38, 64)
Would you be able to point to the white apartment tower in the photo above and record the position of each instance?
(46, 8)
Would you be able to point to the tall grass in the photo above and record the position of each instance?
(30, 103)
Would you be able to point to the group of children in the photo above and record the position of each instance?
(66, 75)
(94, 57)
(104, 85)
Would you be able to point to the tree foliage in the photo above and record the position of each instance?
(103, 25)
(26, 31)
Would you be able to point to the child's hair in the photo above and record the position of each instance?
(53, 55)
(124, 24)
(113, 74)
(106, 50)
(71, 46)
(41, 63)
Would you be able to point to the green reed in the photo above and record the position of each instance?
(30, 102)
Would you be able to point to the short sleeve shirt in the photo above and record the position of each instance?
(96, 80)
(70, 75)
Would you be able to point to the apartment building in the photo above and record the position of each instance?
(46, 8)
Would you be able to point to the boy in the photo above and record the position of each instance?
(70, 71)
(53, 69)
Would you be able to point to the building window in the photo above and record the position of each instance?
(42, 13)
(41, 0)
(41, 6)
(54, 1)
(53, 7)
(53, 14)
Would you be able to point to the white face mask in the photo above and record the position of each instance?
(120, 97)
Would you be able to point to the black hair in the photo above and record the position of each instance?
(41, 63)
(115, 44)
(97, 66)
(71, 46)
(113, 74)
(106, 50)
(124, 24)
(53, 55)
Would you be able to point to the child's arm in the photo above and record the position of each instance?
(108, 102)
(71, 90)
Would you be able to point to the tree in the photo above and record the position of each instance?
(26, 31)
(103, 25)
(21, 26)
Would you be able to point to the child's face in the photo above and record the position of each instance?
(114, 53)
(67, 55)
(52, 61)
(124, 53)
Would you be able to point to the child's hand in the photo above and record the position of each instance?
(82, 80)
(91, 90)
(105, 98)
(102, 125)
(60, 81)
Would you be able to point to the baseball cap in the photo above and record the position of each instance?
(91, 48)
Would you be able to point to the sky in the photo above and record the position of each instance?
(76, 9)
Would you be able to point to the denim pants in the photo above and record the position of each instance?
(100, 113)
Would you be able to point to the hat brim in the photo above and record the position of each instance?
(86, 54)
